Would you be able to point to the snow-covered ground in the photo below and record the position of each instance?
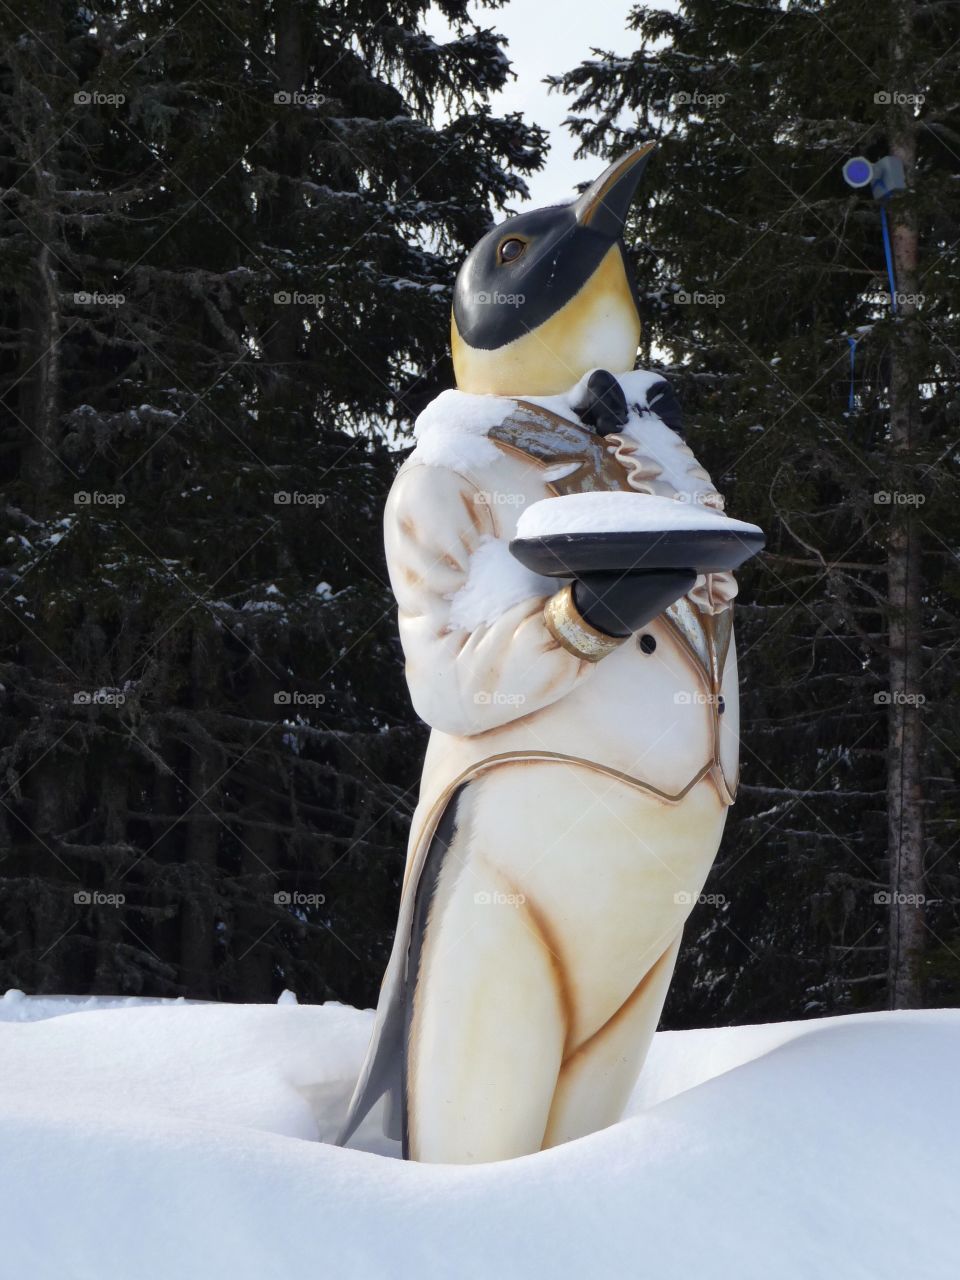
(173, 1141)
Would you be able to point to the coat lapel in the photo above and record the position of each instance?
(551, 440)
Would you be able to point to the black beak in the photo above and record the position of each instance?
(604, 205)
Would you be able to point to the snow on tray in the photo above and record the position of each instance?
(145, 1142)
(621, 513)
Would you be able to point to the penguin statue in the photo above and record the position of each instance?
(584, 745)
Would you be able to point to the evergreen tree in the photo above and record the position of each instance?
(762, 270)
(228, 235)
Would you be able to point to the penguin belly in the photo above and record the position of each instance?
(544, 950)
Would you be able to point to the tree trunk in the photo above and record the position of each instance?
(905, 840)
(108, 978)
(40, 369)
(198, 918)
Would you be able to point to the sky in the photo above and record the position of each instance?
(549, 37)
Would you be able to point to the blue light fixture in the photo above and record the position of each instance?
(858, 172)
(883, 177)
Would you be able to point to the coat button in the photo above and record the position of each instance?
(721, 705)
(648, 643)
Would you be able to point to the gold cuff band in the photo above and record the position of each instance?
(573, 632)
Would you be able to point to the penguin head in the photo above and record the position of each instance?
(547, 296)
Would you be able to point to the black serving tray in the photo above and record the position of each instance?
(567, 555)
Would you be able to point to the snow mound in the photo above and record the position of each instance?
(621, 513)
(146, 1141)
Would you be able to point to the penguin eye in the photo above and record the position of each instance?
(511, 249)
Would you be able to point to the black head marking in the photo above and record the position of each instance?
(527, 268)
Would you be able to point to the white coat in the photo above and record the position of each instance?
(493, 681)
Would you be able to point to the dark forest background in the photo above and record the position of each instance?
(228, 235)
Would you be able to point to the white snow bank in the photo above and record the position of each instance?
(17, 1007)
(196, 1061)
(621, 513)
(142, 1143)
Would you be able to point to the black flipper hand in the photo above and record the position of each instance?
(620, 604)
